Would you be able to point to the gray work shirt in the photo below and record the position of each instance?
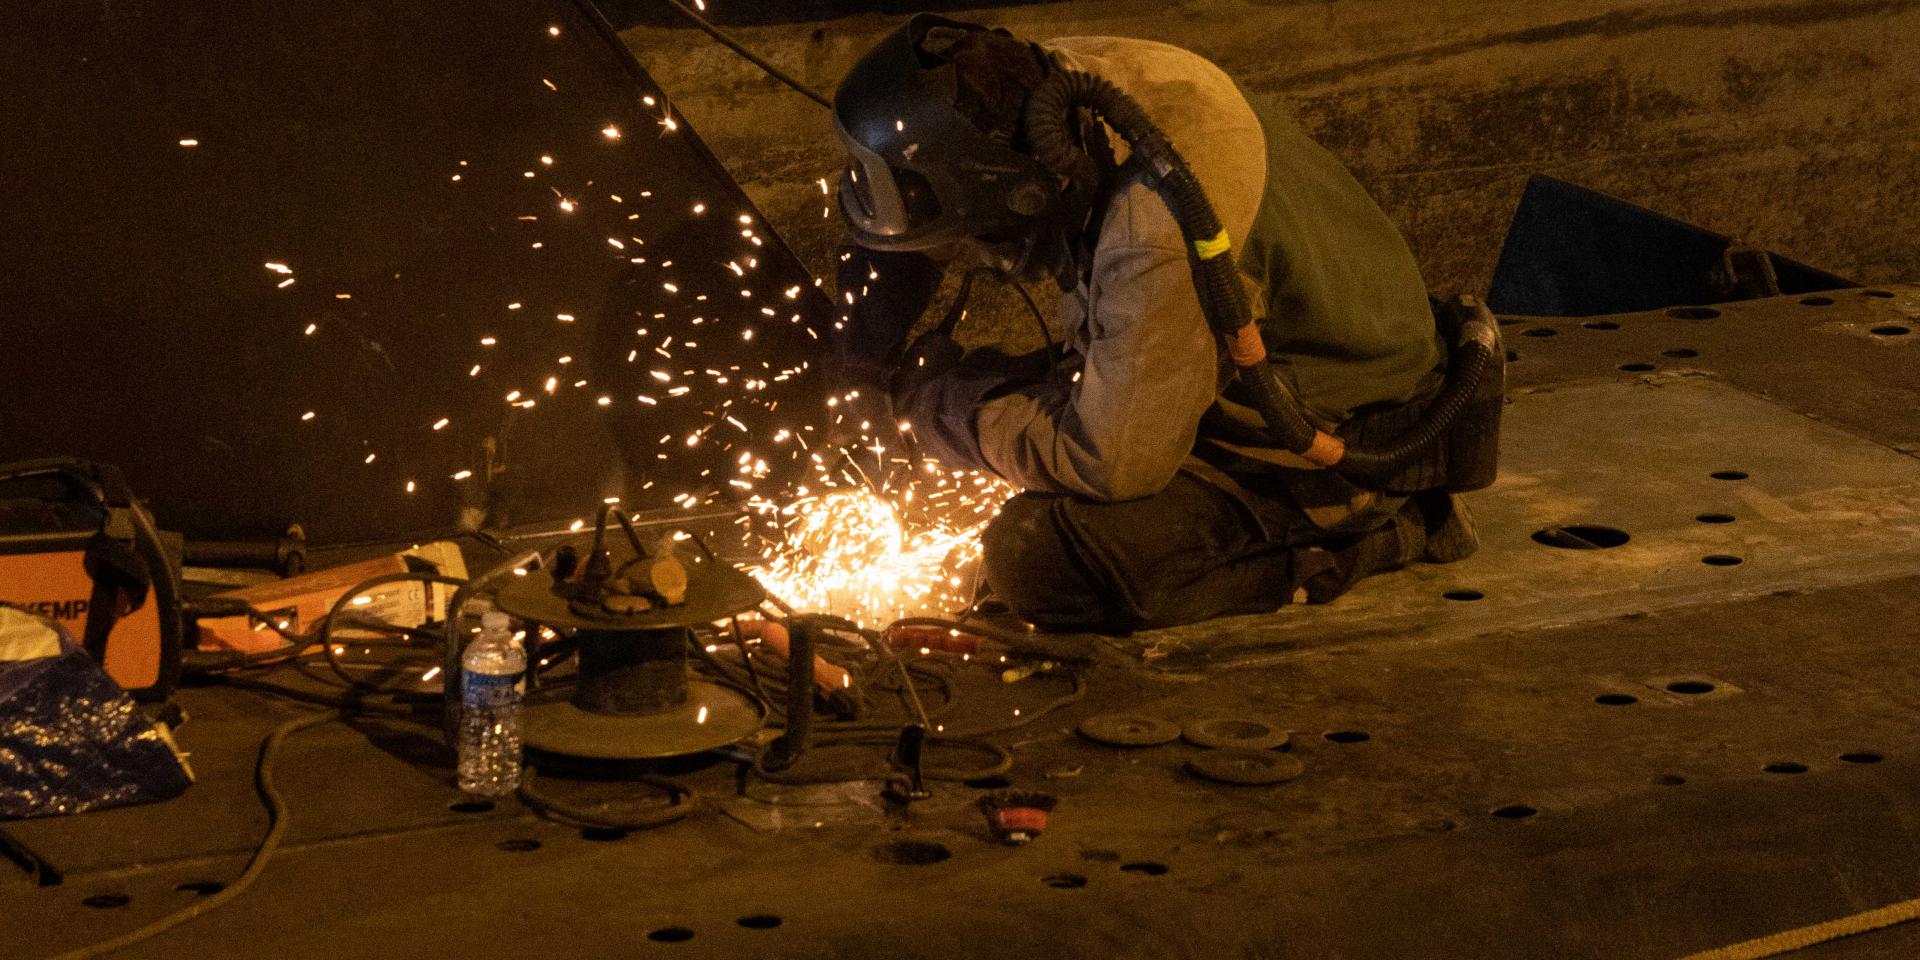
(1345, 310)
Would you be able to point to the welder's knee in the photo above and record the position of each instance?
(1031, 568)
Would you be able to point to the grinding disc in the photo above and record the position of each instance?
(1129, 730)
(1245, 767)
(1242, 733)
(713, 716)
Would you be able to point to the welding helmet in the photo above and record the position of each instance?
(919, 173)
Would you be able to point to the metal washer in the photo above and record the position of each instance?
(1247, 768)
(1241, 733)
(1129, 730)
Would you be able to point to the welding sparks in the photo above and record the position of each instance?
(874, 556)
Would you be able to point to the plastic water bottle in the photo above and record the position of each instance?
(492, 680)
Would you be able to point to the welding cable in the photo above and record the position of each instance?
(325, 634)
(681, 801)
(1054, 354)
(1072, 648)
(1002, 759)
(276, 830)
(737, 47)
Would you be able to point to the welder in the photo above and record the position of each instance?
(1176, 463)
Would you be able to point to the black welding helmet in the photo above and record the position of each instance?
(919, 173)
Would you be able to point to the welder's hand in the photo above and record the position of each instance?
(931, 355)
(880, 297)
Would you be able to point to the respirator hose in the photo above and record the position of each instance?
(1217, 280)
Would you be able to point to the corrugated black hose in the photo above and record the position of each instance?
(1217, 282)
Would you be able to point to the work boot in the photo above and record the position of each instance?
(1390, 547)
(1448, 525)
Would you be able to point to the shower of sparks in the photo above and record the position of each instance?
(909, 545)
(865, 532)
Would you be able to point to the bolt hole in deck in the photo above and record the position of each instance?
(1785, 766)
(1891, 330)
(1145, 868)
(1680, 353)
(1862, 756)
(1693, 313)
(1728, 474)
(1715, 518)
(470, 806)
(1464, 595)
(1616, 699)
(1349, 736)
(1581, 536)
(1882, 294)
(200, 888)
(1064, 881)
(759, 921)
(671, 935)
(1692, 688)
(107, 901)
(1816, 301)
(1514, 811)
(912, 853)
(1601, 325)
(1637, 367)
(1721, 560)
(1668, 780)
(1540, 332)
(988, 783)
(518, 845)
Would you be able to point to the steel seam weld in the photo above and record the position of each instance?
(1788, 941)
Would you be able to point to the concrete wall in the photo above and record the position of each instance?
(1790, 124)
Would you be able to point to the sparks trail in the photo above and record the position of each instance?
(874, 550)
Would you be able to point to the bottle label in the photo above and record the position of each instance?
(483, 691)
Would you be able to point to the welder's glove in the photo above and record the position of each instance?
(880, 297)
(933, 353)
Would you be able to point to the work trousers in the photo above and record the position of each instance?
(1203, 547)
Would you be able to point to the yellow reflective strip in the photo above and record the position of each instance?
(1208, 249)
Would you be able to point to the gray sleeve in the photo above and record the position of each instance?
(1123, 427)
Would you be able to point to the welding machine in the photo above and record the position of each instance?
(78, 549)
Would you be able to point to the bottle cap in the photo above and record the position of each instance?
(494, 621)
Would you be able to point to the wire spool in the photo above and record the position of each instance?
(634, 698)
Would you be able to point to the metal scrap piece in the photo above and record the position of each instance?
(1250, 768)
(1244, 733)
(1129, 730)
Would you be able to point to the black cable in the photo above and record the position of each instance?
(325, 633)
(1002, 759)
(682, 800)
(1054, 354)
(751, 57)
(276, 829)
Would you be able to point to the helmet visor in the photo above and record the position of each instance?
(889, 207)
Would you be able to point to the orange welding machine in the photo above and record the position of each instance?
(77, 548)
